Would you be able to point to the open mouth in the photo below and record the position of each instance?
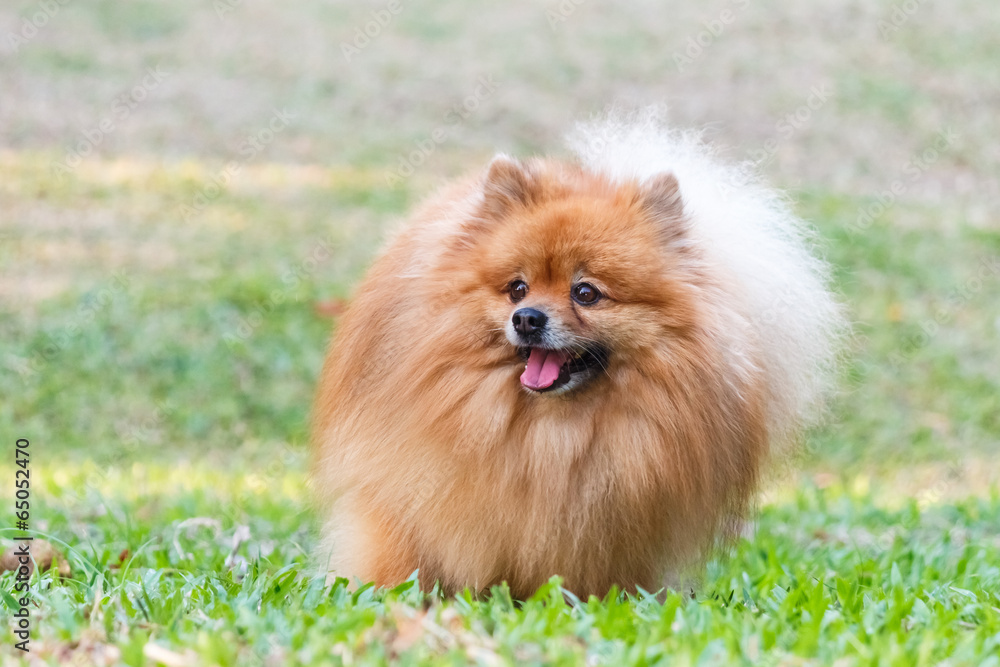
(548, 370)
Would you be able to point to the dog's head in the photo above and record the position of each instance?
(579, 274)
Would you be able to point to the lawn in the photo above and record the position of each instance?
(163, 317)
(166, 394)
(829, 574)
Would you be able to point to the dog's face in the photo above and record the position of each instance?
(579, 279)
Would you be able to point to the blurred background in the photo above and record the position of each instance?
(190, 190)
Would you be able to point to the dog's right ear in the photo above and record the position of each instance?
(508, 185)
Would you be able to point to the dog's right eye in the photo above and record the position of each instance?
(518, 290)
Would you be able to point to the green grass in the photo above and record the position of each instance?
(163, 369)
(828, 575)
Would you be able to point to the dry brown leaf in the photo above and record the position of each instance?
(42, 552)
(330, 307)
(165, 656)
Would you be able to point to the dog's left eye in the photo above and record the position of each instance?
(585, 294)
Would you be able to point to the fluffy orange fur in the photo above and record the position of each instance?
(431, 455)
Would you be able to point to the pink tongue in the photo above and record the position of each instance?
(543, 368)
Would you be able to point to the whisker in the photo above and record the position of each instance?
(600, 358)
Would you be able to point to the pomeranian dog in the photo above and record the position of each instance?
(570, 368)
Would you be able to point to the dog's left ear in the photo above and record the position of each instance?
(661, 196)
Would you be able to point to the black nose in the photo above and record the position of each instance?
(527, 321)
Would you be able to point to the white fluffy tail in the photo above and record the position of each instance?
(747, 232)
